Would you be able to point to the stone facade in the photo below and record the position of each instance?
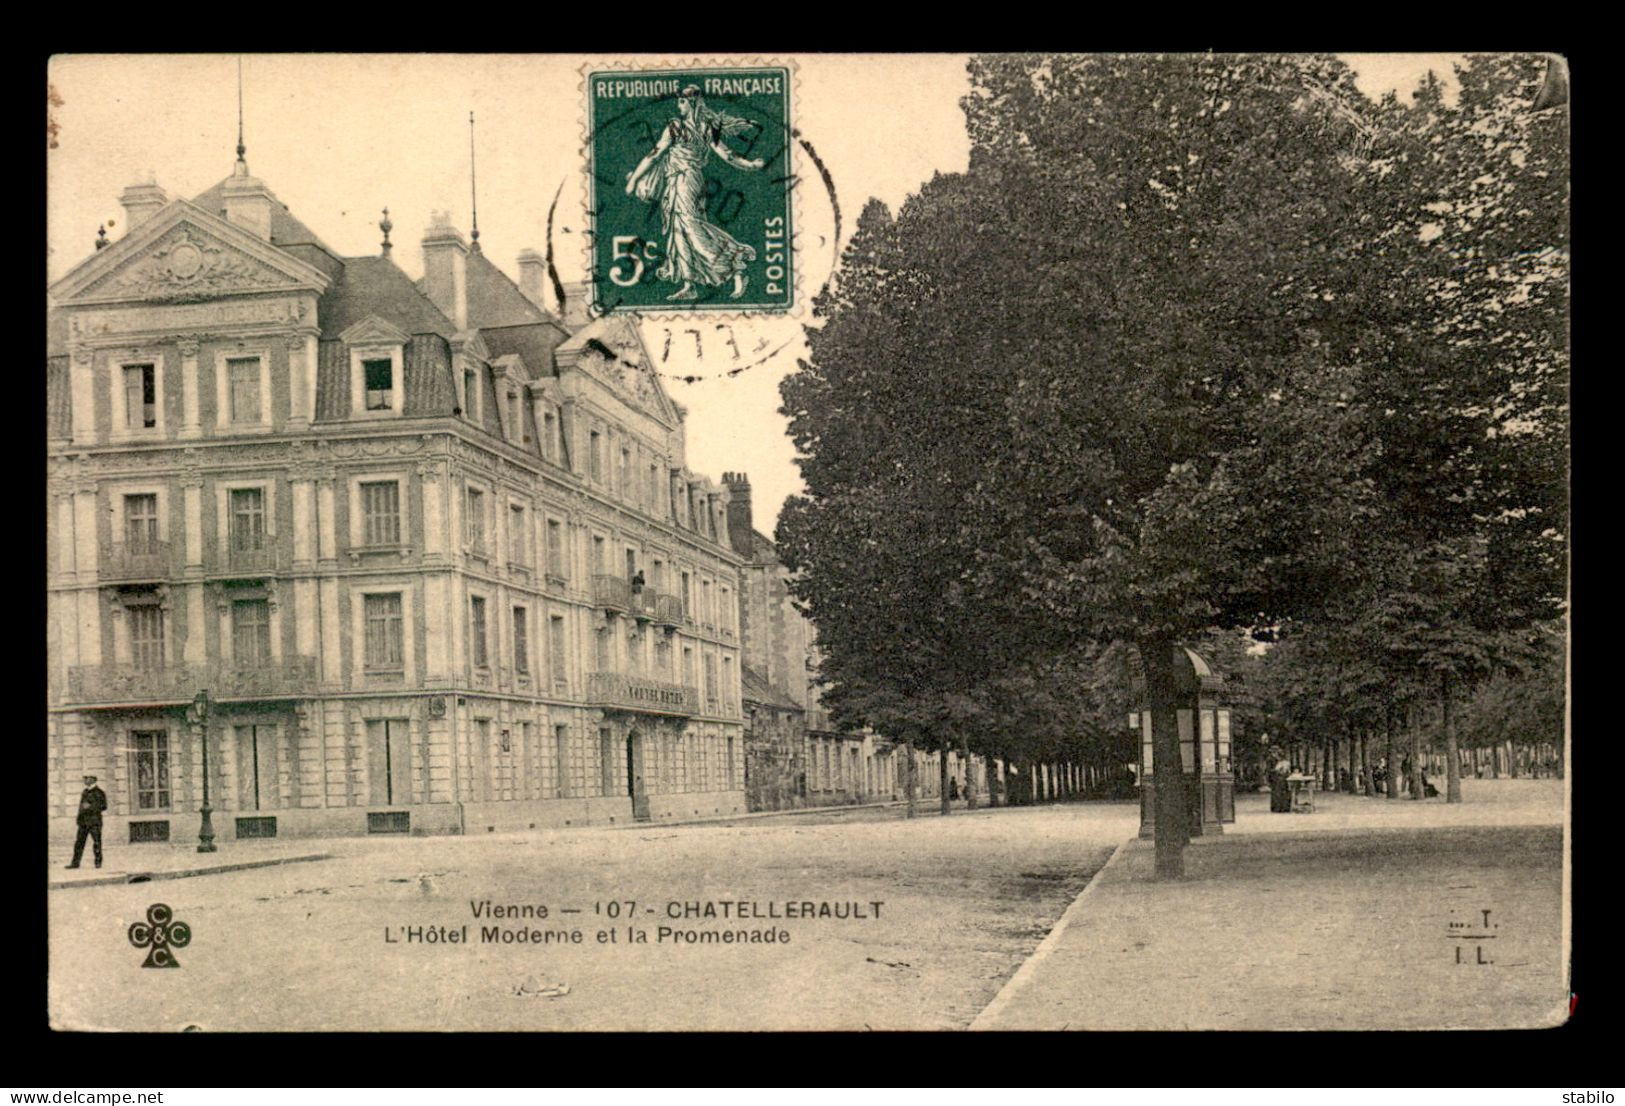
(433, 553)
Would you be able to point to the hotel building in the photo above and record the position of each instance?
(429, 553)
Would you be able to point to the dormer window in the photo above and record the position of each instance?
(471, 395)
(377, 370)
(378, 374)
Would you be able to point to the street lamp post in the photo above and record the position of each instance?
(199, 713)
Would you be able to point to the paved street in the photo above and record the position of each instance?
(302, 946)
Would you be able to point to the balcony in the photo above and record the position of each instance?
(135, 561)
(289, 678)
(253, 559)
(613, 593)
(668, 610)
(620, 691)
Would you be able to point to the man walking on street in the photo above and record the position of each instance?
(92, 801)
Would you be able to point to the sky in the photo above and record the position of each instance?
(339, 137)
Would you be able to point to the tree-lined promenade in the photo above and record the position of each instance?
(1200, 346)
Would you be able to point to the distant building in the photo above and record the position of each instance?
(432, 551)
(827, 766)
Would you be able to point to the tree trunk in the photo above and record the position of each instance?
(1168, 780)
(1368, 786)
(1512, 760)
(970, 771)
(1416, 759)
(943, 774)
(1452, 755)
(1390, 753)
(908, 777)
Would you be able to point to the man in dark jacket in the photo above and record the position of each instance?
(92, 801)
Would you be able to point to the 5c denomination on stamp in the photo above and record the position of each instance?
(689, 189)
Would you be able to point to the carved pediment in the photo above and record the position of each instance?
(615, 354)
(373, 331)
(184, 255)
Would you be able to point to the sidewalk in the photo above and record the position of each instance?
(1365, 915)
(127, 863)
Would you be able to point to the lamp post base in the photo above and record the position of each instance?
(205, 833)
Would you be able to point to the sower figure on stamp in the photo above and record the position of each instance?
(672, 175)
(92, 801)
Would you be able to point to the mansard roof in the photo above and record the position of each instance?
(532, 343)
(755, 688)
(495, 300)
(286, 230)
(369, 286)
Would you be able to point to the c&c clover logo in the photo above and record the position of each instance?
(158, 934)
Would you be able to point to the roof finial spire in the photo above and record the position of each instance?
(473, 189)
(386, 226)
(101, 237)
(242, 161)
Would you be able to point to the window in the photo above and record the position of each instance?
(518, 536)
(140, 397)
(243, 384)
(384, 647)
(626, 472)
(724, 618)
(149, 769)
(561, 761)
(654, 489)
(251, 632)
(688, 665)
(598, 555)
(147, 635)
(247, 517)
(728, 766)
(601, 649)
(663, 655)
(686, 612)
(513, 416)
(475, 520)
(141, 522)
(596, 456)
(549, 436)
(476, 632)
(381, 513)
(471, 394)
(634, 650)
(521, 641)
(710, 681)
(555, 550)
(378, 377)
(555, 645)
(606, 761)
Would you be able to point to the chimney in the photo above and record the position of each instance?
(141, 202)
(533, 277)
(577, 298)
(248, 203)
(445, 269)
(739, 520)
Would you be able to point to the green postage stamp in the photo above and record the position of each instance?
(689, 189)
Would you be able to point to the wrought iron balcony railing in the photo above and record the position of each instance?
(617, 689)
(136, 560)
(289, 678)
(613, 593)
(247, 557)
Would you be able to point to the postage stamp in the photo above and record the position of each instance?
(689, 196)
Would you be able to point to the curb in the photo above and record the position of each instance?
(144, 877)
(1045, 947)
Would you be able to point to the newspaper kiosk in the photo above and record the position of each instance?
(1203, 714)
